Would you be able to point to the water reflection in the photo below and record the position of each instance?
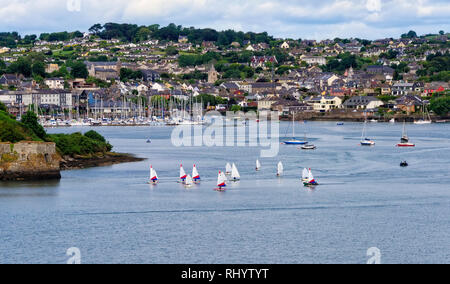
(29, 189)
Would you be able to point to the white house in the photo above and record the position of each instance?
(55, 83)
(363, 103)
(285, 45)
(142, 88)
(250, 48)
(324, 103)
(158, 87)
(314, 60)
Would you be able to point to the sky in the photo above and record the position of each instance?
(306, 19)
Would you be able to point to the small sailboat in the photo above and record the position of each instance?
(195, 174)
(404, 141)
(221, 182)
(153, 176)
(189, 181)
(340, 123)
(183, 174)
(310, 181)
(280, 169)
(235, 176)
(404, 164)
(258, 165)
(294, 141)
(228, 169)
(305, 175)
(392, 120)
(364, 140)
(426, 117)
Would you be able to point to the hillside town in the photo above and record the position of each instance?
(127, 73)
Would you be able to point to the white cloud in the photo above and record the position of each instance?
(290, 18)
(373, 5)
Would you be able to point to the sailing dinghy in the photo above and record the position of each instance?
(195, 174)
(280, 169)
(183, 174)
(310, 181)
(153, 176)
(235, 176)
(189, 181)
(258, 165)
(221, 182)
(305, 175)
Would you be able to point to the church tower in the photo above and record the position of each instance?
(213, 76)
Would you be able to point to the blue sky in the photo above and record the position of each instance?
(315, 19)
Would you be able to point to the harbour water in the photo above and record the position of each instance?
(365, 200)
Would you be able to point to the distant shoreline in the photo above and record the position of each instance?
(98, 160)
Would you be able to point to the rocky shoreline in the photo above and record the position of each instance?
(98, 160)
(31, 160)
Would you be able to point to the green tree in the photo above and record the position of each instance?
(95, 136)
(30, 120)
(38, 69)
(143, 34)
(8, 133)
(171, 50)
(410, 34)
(21, 66)
(440, 105)
(236, 108)
(79, 70)
(95, 29)
(3, 107)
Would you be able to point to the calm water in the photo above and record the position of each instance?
(365, 200)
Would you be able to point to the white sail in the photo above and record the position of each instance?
(189, 181)
(280, 169)
(228, 168)
(310, 176)
(258, 165)
(153, 174)
(305, 174)
(221, 179)
(235, 173)
(182, 173)
(224, 176)
(195, 174)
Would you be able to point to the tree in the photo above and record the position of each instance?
(236, 108)
(441, 32)
(3, 107)
(410, 34)
(171, 50)
(95, 136)
(38, 69)
(95, 29)
(128, 74)
(143, 34)
(30, 120)
(440, 105)
(21, 66)
(2, 67)
(79, 70)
